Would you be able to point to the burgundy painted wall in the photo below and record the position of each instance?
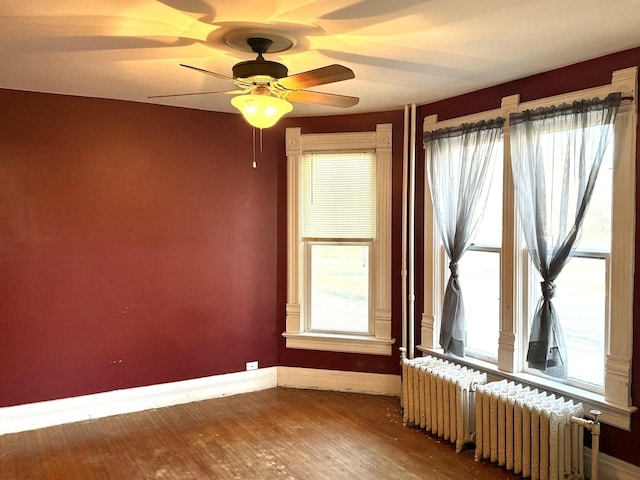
(137, 246)
(618, 443)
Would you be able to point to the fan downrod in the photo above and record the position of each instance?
(259, 45)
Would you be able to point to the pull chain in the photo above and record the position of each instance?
(253, 144)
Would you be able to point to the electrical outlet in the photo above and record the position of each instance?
(252, 365)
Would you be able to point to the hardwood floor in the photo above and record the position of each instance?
(273, 434)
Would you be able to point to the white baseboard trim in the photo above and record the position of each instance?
(75, 409)
(356, 382)
(610, 468)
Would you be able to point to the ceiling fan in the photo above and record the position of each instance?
(265, 89)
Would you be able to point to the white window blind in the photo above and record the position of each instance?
(339, 195)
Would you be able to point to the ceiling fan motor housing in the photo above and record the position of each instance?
(253, 68)
(259, 67)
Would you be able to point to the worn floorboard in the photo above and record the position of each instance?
(273, 434)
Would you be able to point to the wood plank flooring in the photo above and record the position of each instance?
(273, 434)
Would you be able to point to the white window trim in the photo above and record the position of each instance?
(297, 144)
(616, 403)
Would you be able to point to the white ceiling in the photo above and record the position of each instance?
(402, 51)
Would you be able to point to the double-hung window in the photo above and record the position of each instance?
(581, 302)
(593, 293)
(338, 235)
(339, 245)
(480, 269)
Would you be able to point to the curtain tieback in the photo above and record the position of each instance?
(453, 267)
(548, 289)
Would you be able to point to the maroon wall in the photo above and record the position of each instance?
(620, 444)
(137, 246)
(331, 360)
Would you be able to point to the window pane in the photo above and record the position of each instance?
(596, 230)
(580, 304)
(339, 288)
(480, 282)
(339, 195)
(489, 230)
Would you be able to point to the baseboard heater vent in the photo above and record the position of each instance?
(530, 432)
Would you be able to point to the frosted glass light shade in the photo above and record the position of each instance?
(261, 111)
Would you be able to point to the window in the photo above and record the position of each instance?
(596, 303)
(581, 301)
(339, 241)
(339, 230)
(480, 271)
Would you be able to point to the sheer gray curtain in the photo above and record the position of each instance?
(556, 154)
(459, 163)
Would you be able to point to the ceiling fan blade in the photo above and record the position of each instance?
(319, 76)
(328, 99)
(228, 92)
(213, 74)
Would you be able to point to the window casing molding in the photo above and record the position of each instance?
(616, 403)
(379, 342)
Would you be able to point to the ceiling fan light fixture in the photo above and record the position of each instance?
(261, 111)
(270, 83)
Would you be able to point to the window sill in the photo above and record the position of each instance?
(615, 415)
(339, 343)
